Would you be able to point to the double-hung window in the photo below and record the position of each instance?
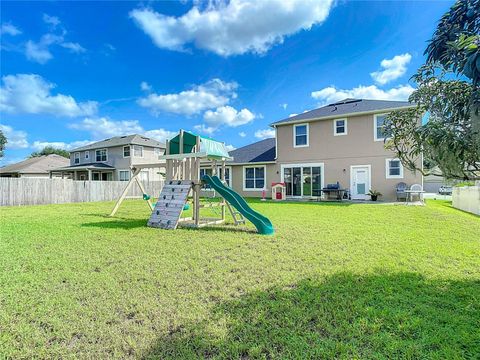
(340, 127)
(76, 158)
(137, 151)
(254, 178)
(157, 151)
(101, 155)
(394, 169)
(126, 151)
(124, 175)
(87, 155)
(300, 135)
(379, 127)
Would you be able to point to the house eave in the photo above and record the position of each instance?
(331, 117)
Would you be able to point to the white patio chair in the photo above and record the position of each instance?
(419, 188)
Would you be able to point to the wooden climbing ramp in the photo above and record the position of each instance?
(169, 207)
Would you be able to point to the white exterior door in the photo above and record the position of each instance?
(359, 182)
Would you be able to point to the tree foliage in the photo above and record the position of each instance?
(448, 93)
(3, 142)
(48, 150)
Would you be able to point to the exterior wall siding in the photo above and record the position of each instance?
(338, 153)
(238, 179)
(115, 158)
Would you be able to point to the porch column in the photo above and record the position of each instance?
(89, 174)
(75, 175)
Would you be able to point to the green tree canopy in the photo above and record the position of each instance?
(448, 93)
(48, 150)
(3, 142)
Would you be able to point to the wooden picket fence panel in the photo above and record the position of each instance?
(39, 191)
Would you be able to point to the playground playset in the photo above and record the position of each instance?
(184, 155)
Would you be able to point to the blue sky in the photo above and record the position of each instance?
(75, 72)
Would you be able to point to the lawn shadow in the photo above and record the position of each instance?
(345, 316)
(118, 224)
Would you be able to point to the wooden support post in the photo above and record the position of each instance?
(124, 193)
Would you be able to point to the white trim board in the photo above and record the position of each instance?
(301, 165)
(387, 169)
(295, 135)
(335, 127)
(264, 177)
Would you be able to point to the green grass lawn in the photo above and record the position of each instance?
(335, 281)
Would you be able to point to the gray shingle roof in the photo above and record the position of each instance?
(37, 165)
(261, 151)
(88, 165)
(344, 107)
(134, 139)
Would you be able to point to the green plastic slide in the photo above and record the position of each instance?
(263, 224)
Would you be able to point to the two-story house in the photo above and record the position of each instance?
(111, 159)
(342, 142)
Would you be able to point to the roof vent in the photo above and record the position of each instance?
(345, 101)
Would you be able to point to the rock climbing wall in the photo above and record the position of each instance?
(170, 205)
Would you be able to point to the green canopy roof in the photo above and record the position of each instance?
(212, 148)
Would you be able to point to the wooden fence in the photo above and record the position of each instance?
(37, 191)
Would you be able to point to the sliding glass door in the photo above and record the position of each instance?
(302, 180)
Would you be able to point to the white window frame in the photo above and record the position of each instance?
(375, 116)
(106, 155)
(129, 151)
(387, 169)
(244, 170)
(295, 135)
(124, 170)
(301, 166)
(157, 151)
(133, 148)
(219, 167)
(335, 133)
(87, 155)
(76, 156)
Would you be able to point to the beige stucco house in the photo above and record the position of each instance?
(112, 159)
(341, 142)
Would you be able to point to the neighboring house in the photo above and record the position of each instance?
(37, 167)
(341, 142)
(111, 159)
(435, 180)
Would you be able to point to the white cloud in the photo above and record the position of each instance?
(392, 69)
(294, 114)
(40, 145)
(73, 47)
(236, 27)
(264, 134)
(284, 106)
(242, 134)
(10, 29)
(145, 86)
(31, 94)
(51, 20)
(16, 139)
(212, 94)
(228, 116)
(40, 51)
(203, 129)
(102, 127)
(230, 147)
(160, 134)
(331, 94)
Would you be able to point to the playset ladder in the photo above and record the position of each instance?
(236, 215)
(169, 207)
